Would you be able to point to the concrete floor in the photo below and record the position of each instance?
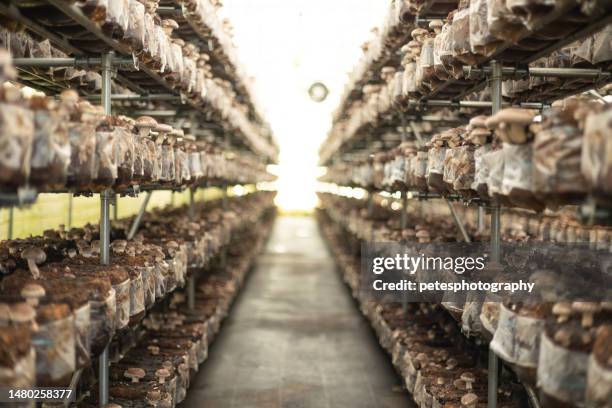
(295, 338)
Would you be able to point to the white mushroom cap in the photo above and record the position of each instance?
(32, 292)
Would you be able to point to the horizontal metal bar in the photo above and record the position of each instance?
(541, 72)
(440, 103)
(155, 112)
(127, 97)
(68, 62)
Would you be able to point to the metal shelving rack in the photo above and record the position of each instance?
(490, 73)
(115, 63)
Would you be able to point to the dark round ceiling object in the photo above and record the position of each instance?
(318, 91)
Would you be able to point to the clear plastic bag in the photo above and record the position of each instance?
(502, 23)
(106, 158)
(420, 170)
(137, 293)
(531, 11)
(481, 40)
(16, 134)
(167, 163)
(55, 351)
(460, 38)
(117, 17)
(50, 150)
(442, 52)
(122, 298)
(465, 168)
(140, 155)
(123, 150)
(562, 372)
(494, 161)
(557, 161)
(18, 368)
(517, 183)
(135, 31)
(596, 162)
(103, 321)
(409, 83)
(148, 282)
(435, 168)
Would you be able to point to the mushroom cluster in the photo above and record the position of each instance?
(84, 150)
(56, 289)
(173, 341)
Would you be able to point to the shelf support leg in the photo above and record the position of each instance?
(191, 278)
(70, 208)
(141, 213)
(11, 216)
(105, 199)
(458, 221)
(496, 99)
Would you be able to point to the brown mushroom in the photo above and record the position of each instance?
(161, 375)
(469, 400)
(587, 309)
(563, 310)
(169, 25)
(153, 349)
(35, 256)
(436, 25)
(511, 125)
(145, 124)
(469, 379)
(134, 373)
(23, 313)
(32, 293)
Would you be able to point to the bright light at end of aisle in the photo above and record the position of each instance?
(287, 46)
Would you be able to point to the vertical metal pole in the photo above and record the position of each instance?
(115, 207)
(496, 99)
(105, 198)
(404, 217)
(481, 215)
(70, 208)
(191, 279)
(11, 215)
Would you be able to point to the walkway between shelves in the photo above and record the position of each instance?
(295, 338)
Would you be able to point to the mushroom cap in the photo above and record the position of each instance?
(69, 95)
(190, 138)
(179, 41)
(388, 70)
(134, 372)
(112, 405)
(163, 128)
(417, 32)
(422, 234)
(170, 23)
(468, 377)
(414, 44)
(22, 313)
(586, 307)
(32, 290)
(34, 253)
(562, 308)
(162, 372)
(146, 122)
(510, 115)
(433, 24)
(478, 121)
(178, 132)
(469, 399)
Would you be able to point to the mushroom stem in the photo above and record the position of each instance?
(34, 269)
